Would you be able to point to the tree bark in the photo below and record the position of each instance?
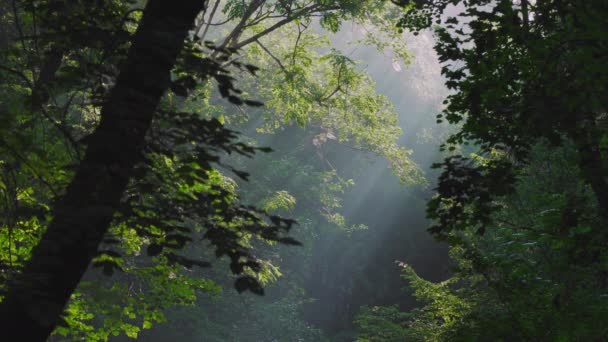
(36, 298)
(48, 73)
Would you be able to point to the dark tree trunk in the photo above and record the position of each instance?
(48, 72)
(36, 298)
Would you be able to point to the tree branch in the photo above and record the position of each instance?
(272, 56)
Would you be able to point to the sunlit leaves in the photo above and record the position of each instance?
(535, 267)
(327, 93)
(176, 197)
(279, 200)
(380, 323)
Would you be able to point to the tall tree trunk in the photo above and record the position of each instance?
(36, 298)
(48, 73)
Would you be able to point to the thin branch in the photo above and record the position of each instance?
(305, 10)
(238, 29)
(259, 18)
(63, 130)
(295, 45)
(29, 166)
(229, 62)
(210, 20)
(272, 56)
(278, 24)
(335, 91)
(18, 73)
(220, 23)
(18, 24)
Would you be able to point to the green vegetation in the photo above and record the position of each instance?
(160, 159)
(524, 215)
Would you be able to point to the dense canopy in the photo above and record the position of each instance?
(306, 170)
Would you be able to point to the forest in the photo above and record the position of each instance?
(303, 170)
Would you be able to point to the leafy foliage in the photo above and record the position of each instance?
(58, 69)
(381, 323)
(525, 215)
(521, 71)
(532, 275)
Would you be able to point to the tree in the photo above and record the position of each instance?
(301, 165)
(36, 298)
(508, 74)
(525, 214)
(73, 89)
(536, 274)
